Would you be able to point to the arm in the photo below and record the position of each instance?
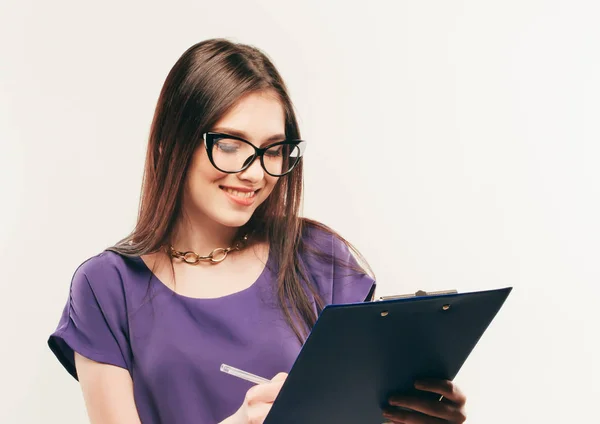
(108, 394)
(107, 391)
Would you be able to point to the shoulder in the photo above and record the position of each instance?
(103, 277)
(317, 236)
(325, 243)
(338, 270)
(101, 264)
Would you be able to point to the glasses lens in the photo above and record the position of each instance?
(281, 158)
(231, 155)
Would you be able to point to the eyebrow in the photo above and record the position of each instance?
(242, 134)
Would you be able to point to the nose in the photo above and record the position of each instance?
(254, 173)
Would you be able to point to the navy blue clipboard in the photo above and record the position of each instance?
(357, 355)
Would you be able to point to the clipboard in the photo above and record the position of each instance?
(358, 355)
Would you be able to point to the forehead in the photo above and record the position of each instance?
(259, 116)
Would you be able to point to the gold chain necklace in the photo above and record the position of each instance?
(217, 255)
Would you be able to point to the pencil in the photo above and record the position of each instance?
(244, 375)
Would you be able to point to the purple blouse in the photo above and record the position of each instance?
(119, 313)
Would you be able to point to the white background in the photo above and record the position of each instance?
(455, 143)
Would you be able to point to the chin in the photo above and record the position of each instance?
(233, 220)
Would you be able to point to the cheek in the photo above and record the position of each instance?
(201, 171)
(271, 182)
(201, 176)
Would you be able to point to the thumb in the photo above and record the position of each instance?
(280, 377)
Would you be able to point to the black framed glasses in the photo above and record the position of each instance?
(231, 154)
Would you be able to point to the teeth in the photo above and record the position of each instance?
(240, 193)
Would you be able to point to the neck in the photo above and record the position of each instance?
(202, 237)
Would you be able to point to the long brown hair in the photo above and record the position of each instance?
(207, 80)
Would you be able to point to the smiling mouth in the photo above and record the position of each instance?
(240, 194)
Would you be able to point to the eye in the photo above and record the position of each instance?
(227, 146)
(274, 152)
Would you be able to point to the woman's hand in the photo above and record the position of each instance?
(451, 409)
(258, 402)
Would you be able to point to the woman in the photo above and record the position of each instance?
(149, 321)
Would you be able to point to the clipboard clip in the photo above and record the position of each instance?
(417, 294)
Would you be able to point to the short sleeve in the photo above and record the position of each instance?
(338, 276)
(93, 322)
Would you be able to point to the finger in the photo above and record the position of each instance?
(280, 377)
(258, 413)
(445, 388)
(408, 417)
(432, 408)
(265, 392)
